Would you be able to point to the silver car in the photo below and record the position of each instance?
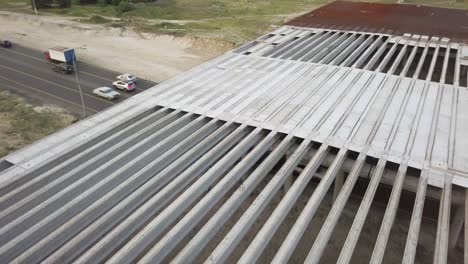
(106, 92)
(126, 77)
(126, 86)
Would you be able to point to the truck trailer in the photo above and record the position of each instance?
(62, 59)
(61, 54)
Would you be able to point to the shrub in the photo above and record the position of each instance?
(97, 20)
(88, 2)
(42, 3)
(63, 3)
(124, 6)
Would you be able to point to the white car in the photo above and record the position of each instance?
(126, 86)
(126, 77)
(106, 92)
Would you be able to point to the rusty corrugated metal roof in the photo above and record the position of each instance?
(388, 18)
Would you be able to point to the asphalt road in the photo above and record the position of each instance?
(25, 71)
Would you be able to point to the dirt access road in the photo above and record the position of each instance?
(150, 56)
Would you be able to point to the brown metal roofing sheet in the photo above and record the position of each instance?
(388, 18)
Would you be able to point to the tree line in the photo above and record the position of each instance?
(122, 5)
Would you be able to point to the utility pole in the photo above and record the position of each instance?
(79, 88)
(34, 6)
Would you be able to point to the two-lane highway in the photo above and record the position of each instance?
(26, 71)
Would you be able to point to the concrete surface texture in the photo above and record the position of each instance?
(314, 92)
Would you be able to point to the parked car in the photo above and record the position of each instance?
(63, 68)
(5, 43)
(106, 92)
(126, 86)
(126, 77)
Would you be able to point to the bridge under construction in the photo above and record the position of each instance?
(238, 159)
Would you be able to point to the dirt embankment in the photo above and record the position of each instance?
(150, 56)
(22, 123)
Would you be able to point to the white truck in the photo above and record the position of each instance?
(61, 54)
(62, 58)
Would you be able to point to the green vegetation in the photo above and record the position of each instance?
(96, 20)
(209, 9)
(21, 124)
(19, 5)
(232, 20)
(123, 6)
(235, 21)
(177, 29)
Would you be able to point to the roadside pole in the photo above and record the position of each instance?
(79, 87)
(34, 6)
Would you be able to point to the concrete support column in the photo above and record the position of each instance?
(466, 227)
(339, 180)
(287, 183)
(456, 226)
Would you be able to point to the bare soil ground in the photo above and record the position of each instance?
(150, 56)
